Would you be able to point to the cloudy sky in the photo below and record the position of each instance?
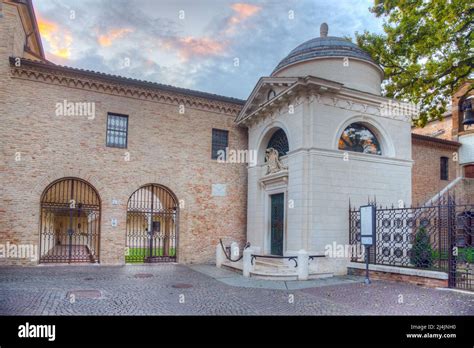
(216, 46)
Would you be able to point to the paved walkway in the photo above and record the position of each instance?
(170, 289)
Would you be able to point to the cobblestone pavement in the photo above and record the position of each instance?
(170, 289)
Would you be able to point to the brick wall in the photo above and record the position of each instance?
(401, 278)
(458, 127)
(441, 129)
(426, 155)
(464, 191)
(165, 147)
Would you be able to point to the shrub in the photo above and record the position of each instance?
(421, 253)
(466, 254)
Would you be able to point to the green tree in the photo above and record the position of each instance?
(426, 51)
(421, 252)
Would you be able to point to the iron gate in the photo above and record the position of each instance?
(152, 225)
(70, 222)
(461, 239)
(437, 237)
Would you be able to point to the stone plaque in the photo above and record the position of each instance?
(219, 190)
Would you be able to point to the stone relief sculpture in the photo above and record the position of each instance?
(272, 159)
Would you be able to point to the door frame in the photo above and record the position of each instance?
(268, 219)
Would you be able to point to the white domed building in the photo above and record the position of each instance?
(322, 111)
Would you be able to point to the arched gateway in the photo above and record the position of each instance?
(70, 222)
(152, 225)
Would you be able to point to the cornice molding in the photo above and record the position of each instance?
(75, 80)
(323, 94)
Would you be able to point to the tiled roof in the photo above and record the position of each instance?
(129, 81)
(434, 140)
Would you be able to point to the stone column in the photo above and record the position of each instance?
(247, 264)
(303, 265)
(220, 257)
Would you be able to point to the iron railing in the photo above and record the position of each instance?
(289, 258)
(227, 251)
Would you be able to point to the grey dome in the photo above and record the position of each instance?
(321, 47)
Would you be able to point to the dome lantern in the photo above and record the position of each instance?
(323, 30)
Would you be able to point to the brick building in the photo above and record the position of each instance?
(433, 166)
(169, 144)
(442, 158)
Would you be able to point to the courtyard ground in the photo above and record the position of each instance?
(170, 289)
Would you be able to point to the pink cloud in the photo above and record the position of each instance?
(242, 12)
(107, 39)
(188, 47)
(59, 39)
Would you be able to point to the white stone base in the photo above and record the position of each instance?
(401, 270)
(323, 265)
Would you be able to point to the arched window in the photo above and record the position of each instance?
(358, 138)
(279, 142)
(466, 114)
(271, 94)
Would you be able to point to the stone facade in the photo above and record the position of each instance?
(166, 146)
(321, 180)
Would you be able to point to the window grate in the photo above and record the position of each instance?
(117, 130)
(279, 142)
(220, 141)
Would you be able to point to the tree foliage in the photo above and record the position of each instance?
(421, 253)
(426, 50)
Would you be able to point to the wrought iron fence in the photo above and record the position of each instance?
(461, 259)
(438, 237)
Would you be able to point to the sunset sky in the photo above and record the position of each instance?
(189, 43)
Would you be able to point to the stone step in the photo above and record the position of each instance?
(277, 263)
(261, 268)
(270, 260)
(320, 275)
(236, 266)
(272, 271)
(287, 275)
(269, 275)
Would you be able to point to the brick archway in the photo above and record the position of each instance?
(70, 222)
(152, 225)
